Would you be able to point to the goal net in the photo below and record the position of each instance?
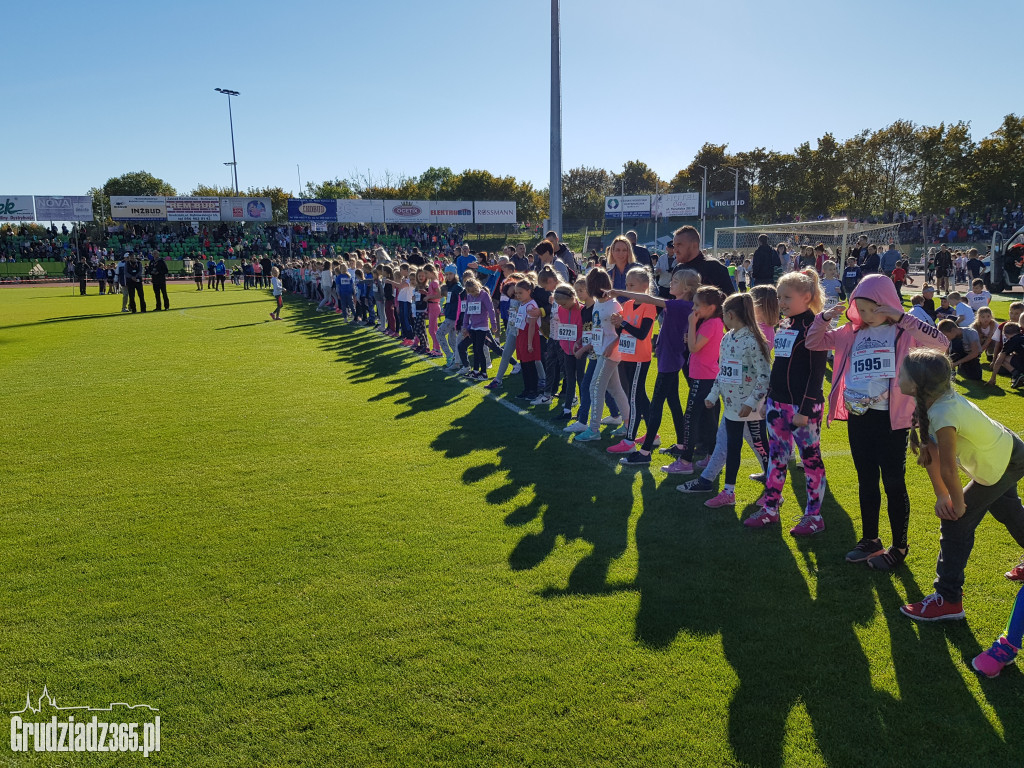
(837, 235)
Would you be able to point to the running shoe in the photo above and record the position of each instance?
(541, 399)
(576, 426)
(623, 446)
(934, 608)
(678, 467)
(991, 662)
(619, 431)
(1016, 573)
(864, 551)
(888, 560)
(808, 525)
(640, 440)
(494, 385)
(697, 485)
(762, 518)
(673, 450)
(723, 499)
(587, 435)
(759, 477)
(636, 459)
(611, 421)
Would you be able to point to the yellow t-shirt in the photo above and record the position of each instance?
(983, 446)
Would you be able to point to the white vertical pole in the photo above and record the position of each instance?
(555, 184)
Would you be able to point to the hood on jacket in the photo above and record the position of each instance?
(877, 288)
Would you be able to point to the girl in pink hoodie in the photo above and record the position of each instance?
(865, 393)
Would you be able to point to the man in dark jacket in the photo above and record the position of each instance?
(133, 282)
(158, 274)
(763, 263)
(688, 256)
(81, 274)
(642, 254)
(562, 252)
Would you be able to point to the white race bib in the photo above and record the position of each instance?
(566, 333)
(416, 296)
(473, 307)
(627, 344)
(870, 364)
(462, 307)
(785, 341)
(521, 319)
(730, 372)
(595, 339)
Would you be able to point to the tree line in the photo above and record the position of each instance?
(902, 167)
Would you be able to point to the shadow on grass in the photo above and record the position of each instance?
(788, 616)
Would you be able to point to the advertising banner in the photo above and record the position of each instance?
(246, 209)
(628, 207)
(494, 212)
(675, 205)
(450, 212)
(722, 202)
(193, 209)
(361, 211)
(313, 210)
(63, 208)
(407, 212)
(16, 208)
(125, 208)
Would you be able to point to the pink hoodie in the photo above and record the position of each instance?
(910, 333)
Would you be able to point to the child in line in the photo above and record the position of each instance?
(671, 354)
(479, 314)
(606, 344)
(527, 338)
(345, 292)
(742, 383)
(964, 349)
(447, 336)
(634, 325)
(704, 331)
(795, 403)
(962, 310)
(868, 352)
(511, 309)
(419, 311)
(952, 431)
(433, 309)
(766, 312)
(278, 290)
(585, 352)
(567, 332)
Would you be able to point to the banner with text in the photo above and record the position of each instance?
(63, 208)
(313, 210)
(127, 208)
(193, 209)
(16, 208)
(722, 202)
(494, 212)
(628, 207)
(407, 212)
(450, 212)
(361, 211)
(246, 209)
(675, 205)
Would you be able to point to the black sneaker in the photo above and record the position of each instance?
(674, 451)
(636, 459)
(526, 396)
(565, 415)
(888, 560)
(864, 551)
(759, 477)
(697, 485)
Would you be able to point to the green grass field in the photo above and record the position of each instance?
(306, 546)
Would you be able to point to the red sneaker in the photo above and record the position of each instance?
(934, 608)
(1016, 573)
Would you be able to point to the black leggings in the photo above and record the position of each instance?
(481, 338)
(701, 423)
(734, 445)
(877, 448)
(633, 377)
(666, 389)
(419, 328)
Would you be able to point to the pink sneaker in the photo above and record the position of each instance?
(702, 464)
(991, 662)
(623, 446)
(808, 526)
(762, 518)
(640, 439)
(723, 499)
(678, 467)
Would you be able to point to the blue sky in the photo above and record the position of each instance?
(101, 88)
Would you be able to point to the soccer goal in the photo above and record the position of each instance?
(837, 235)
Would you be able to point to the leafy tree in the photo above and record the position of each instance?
(945, 165)
(896, 152)
(998, 161)
(583, 192)
(335, 189)
(636, 178)
(204, 190)
(137, 183)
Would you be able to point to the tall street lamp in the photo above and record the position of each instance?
(231, 121)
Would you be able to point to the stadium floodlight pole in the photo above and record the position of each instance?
(555, 184)
(735, 207)
(231, 176)
(703, 202)
(231, 122)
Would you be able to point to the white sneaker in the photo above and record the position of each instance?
(464, 370)
(541, 400)
(516, 368)
(612, 421)
(576, 426)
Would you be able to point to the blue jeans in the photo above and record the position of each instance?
(405, 317)
(583, 414)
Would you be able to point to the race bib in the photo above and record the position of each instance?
(473, 307)
(594, 339)
(627, 344)
(871, 364)
(784, 342)
(521, 319)
(831, 302)
(462, 307)
(566, 333)
(416, 296)
(731, 372)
